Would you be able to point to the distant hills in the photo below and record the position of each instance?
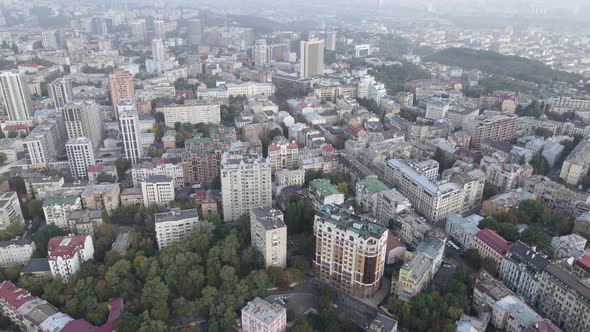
(501, 65)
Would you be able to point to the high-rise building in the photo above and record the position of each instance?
(83, 119)
(175, 226)
(157, 189)
(158, 50)
(577, 163)
(80, 155)
(169, 168)
(129, 126)
(194, 31)
(350, 252)
(159, 29)
(283, 156)
(138, 30)
(260, 52)
(331, 40)
(268, 234)
(61, 92)
(369, 88)
(492, 125)
(48, 39)
(121, 86)
(46, 142)
(10, 211)
(312, 58)
(67, 253)
(259, 315)
(245, 184)
(207, 110)
(16, 96)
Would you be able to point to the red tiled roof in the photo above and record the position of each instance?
(328, 148)
(543, 326)
(293, 145)
(57, 247)
(393, 241)
(14, 296)
(16, 127)
(584, 262)
(94, 168)
(201, 194)
(494, 241)
(273, 147)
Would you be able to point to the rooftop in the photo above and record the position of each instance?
(65, 246)
(264, 311)
(323, 187)
(36, 265)
(176, 215)
(522, 254)
(268, 217)
(372, 185)
(157, 179)
(61, 200)
(346, 220)
(494, 241)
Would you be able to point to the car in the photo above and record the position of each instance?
(447, 265)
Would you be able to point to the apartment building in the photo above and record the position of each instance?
(350, 251)
(46, 142)
(192, 111)
(564, 297)
(10, 210)
(121, 87)
(57, 210)
(504, 176)
(492, 125)
(388, 204)
(101, 196)
(163, 167)
(129, 127)
(283, 155)
(553, 195)
(175, 225)
(259, 315)
(80, 156)
(245, 184)
(157, 189)
(471, 179)
(16, 252)
(434, 200)
(437, 108)
(577, 163)
(61, 92)
(367, 191)
(268, 234)
(250, 88)
(323, 192)
(85, 221)
(201, 162)
(83, 119)
(463, 229)
(490, 245)
(16, 95)
(416, 273)
(287, 177)
(521, 270)
(67, 253)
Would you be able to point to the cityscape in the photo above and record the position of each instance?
(274, 166)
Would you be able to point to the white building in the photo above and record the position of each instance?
(436, 108)
(67, 253)
(16, 96)
(245, 184)
(370, 89)
(157, 189)
(46, 142)
(250, 88)
(463, 230)
(268, 234)
(175, 225)
(48, 39)
(158, 50)
(260, 52)
(57, 210)
(287, 177)
(521, 270)
(83, 119)
(259, 315)
(10, 210)
(16, 252)
(61, 92)
(129, 126)
(80, 155)
(142, 171)
(194, 112)
(312, 58)
(362, 50)
(388, 204)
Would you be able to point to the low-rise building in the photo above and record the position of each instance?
(85, 221)
(323, 192)
(388, 204)
(131, 197)
(415, 274)
(577, 163)
(259, 315)
(287, 177)
(502, 203)
(567, 246)
(521, 270)
(487, 291)
(101, 196)
(67, 253)
(463, 230)
(491, 246)
(16, 252)
(172, 170)
(268, 234)
(175, 225)
(367, 191)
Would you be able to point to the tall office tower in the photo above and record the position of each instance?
(99, 26)
(350, 251)
(138, 30)
(194, 31)
(245, 184)
(159, 31)
(121, 84)
(158, 50)
(80, 155)
(331, 40)
(260, 52)
(83, 119)
(312, 58)
(16, 96)
(49, 40)
(129, 126)
(61, 92)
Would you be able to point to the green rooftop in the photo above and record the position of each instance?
(372, 185)
(60, 200)
(323, 187)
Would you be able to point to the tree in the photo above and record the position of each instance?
(302, 325)
(12, 134)
(299, 217)
(122, 165)
(444, 160)
(42, 236)
(540, 164)
(343, 187)
(3, 157)
(473, 258)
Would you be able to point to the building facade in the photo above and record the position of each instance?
(83, 119)
(259, 315)
(175, 225)
(521, 271)
(10, 210)
(268, 234)
(157, 189)
(57, 210)
(67, 253)
(80, 156)
(121, 87)
(16, 96)
(196, 111)
(129, 125)
(61, 92)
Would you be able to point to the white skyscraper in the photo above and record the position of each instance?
(48, 40)
(312, 58)
(83, 119)
(61, 92)
(16, 96)
(80, 155)
(331, 40)
(129, 125)
(245, 184)
(260, 52)
(194, 31)
(158, 50)
(159, 31)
